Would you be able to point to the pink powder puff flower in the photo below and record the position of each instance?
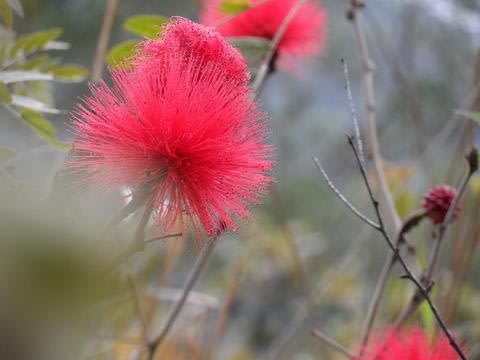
(409, 345)
(304, 37)
(180, 123)
(437, 201)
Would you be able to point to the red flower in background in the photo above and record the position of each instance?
(304, 37)
(437, 201)
(180, 123)
(410, 345)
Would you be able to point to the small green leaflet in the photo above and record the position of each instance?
(5, 95)
(21, 75)
(33, 42)
(472, 115)
(16, 7)
(233, 6)
(70, 73)
(147, 26)
(42, 127)
(33, 104)
(120, 52)
(6, 13)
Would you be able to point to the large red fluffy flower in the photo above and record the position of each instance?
(181, 124)
(305, 35)
(410, 345)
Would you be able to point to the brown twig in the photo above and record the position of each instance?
(353, 113)
(102, 43)
(193, 276)
(332, 343)
(368, 68)
(427, 278)
(423, 292)
(342, 197)
(383, 278)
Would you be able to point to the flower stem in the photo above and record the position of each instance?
(195, 273)
(103, 39)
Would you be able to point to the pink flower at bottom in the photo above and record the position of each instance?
(410, 345)
(304, 37)
(437, 201)
(181, 124)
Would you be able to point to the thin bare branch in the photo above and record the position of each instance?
(353, 113)
(103, 39)
(342, 197)
(368, 68)
(164, 237)
(374, 304)
(422, 291)
(332, 343)
(193, 276)
(427, 278)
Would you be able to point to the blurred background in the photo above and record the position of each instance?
(301, 245)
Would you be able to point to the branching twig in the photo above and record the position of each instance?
(353, 113)
(343, 198)
(427, 278)
(164, 237)
(370, 123)
(193, 276)
(424, 292)
(332, 343)
(383, 278)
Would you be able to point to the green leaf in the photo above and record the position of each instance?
(5, 95)
(56, 45)
(6, 13)
(20, 76)
(70, 72)
(472, 115)
(35, 62)
(251, 47)
(120, 52)
(42, 127)
(16, 6)
(36, 41)
(234, 6)
(147, 26)
(6, 153)
(33, 104)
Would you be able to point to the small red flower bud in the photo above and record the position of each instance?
(437, 201)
